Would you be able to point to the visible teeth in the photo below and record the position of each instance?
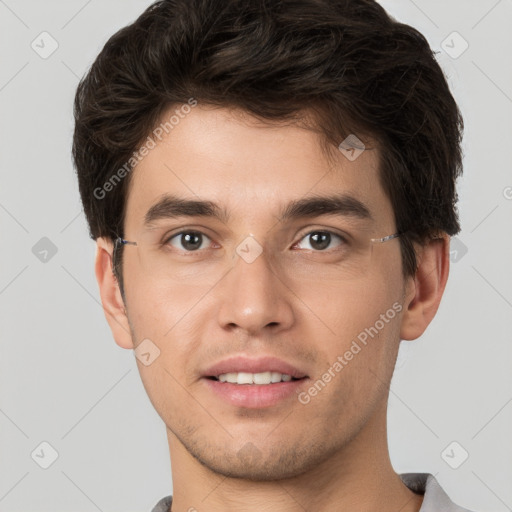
(245, 378)
(254, 378)
(276, 377)
(262, 378)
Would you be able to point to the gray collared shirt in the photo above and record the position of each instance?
(434, 500)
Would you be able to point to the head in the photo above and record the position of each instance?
(241, 107)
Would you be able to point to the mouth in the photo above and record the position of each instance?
(254, 383)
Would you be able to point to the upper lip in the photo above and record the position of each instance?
(236, 364)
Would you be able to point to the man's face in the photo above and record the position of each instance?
(288, 292)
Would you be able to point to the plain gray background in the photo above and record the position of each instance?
(63, 380)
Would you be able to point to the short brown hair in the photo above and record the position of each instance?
(357, 68)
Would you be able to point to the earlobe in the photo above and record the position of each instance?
(111, 299)
(426, 288)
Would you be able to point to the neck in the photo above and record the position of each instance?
(359, 476)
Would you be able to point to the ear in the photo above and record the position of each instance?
(113, 304)
(425, 289)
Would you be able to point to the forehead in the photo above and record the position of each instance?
(249, 167)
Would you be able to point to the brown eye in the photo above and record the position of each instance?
(188, 240)
(320, 240)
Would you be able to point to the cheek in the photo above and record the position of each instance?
(357, 321)
(159, 308)
(172, 317)
(169, 320)
(343, 309)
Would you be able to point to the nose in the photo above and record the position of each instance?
(255, 298)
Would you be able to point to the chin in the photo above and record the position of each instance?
(249, 463)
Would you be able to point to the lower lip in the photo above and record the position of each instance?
(255, 396)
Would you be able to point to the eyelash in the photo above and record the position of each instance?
(343, 239)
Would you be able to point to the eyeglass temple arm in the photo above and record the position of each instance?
(385, 238)
(122, 241)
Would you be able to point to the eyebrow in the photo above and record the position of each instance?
(170, 206)
(341, 204)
